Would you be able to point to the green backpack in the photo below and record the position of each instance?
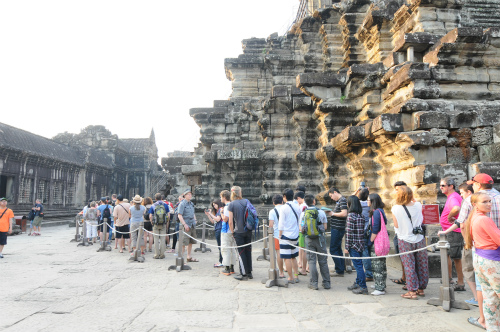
(160, 216)
(311, 220)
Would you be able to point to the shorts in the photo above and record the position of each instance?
(3, 238)
(302, 240)
(467, 266)
(37, 221)
(125, 229)
(276, 244)
(456, 241)
(186, 239)
(148, 226)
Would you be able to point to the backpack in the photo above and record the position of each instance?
(146, 215)
(311, 221)
(106, 213)
(160, 216)
(251, 217)
(381, 243)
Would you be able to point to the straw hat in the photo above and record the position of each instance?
(137, 199)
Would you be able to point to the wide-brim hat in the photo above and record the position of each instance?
(137, 199)
(187, 192)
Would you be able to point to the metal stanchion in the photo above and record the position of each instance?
(179, 261)
(77, 234)
(104, 243)
(273, 271)
(203, 247)
(446, 293)
(137, 255)
(265, 248)
(85, 242)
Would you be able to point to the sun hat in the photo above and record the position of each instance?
(137, 199)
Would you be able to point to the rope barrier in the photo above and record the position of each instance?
(160, 234)
(216, 246)
(92, 224)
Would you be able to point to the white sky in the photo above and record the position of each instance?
(128, 65)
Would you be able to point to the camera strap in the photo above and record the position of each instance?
(408, 214)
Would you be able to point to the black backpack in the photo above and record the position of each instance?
(106, 213)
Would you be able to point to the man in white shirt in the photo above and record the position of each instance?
(289, 235)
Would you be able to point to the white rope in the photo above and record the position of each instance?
(159, 234)
(216, 246)
(113, 228)
(92, 224)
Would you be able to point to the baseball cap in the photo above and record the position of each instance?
(3, 199)
(481, 178)
(119, 197)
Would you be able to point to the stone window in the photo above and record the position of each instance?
(57, 193)
(93, 193)
(25, 190)
(70, 194)
(6, 183)
(43, 191)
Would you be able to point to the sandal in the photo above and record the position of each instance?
(192, 260)
(302, 274)
(420, 292)
(475, 322)
(404, 288)
(410, 295)
(399, 281)
(459, 288)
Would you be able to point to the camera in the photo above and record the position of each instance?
(418, 230)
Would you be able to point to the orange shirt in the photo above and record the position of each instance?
(5, 220)
(484, 232)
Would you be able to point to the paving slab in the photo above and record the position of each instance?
(49, 284)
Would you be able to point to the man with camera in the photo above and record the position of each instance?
(449, 215)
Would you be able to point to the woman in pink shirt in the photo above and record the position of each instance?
(482, 232)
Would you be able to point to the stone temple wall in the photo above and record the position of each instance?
(374, 91)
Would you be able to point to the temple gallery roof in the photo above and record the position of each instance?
(24, 141)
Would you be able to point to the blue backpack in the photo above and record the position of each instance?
(251, 217)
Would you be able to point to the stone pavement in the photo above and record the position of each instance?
(50, 284)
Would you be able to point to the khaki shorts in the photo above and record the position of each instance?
(37, 221)
(186, 239)
(467, 266)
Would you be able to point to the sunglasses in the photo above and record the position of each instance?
(443, 185)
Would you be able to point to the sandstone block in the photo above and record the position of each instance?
(496, 133)
(221, 103)
(194, 169)
(427, 120)
(482, 136)
(462, 119)
(489, 153)
(458, 155)
(321, 79)
(302, 103)
(415, 138)
(428, 155)
(232, 129)
(280, 91)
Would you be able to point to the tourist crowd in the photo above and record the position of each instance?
(470, 220)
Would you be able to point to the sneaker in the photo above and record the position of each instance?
(360, 290)
(226, 271)
(472, 302)
(335, 274)
(241, 277)
(249, 275)
(1, 256)
(231, 269)
(326, 286)
(353, 287)
(161, 256)
(377, 293)
(313, 287)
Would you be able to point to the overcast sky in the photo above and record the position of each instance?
(128, 65)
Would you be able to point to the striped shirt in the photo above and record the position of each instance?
(355, 227)
(495, 207)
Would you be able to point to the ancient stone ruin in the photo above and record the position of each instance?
(357, 90)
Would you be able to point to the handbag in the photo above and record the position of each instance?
(381, 243)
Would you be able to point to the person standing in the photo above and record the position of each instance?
(313, 224)
(214, 215)
(136, 216)
(481, 232)
(274, 216)
(299, 200)
(187, 219)
(448, 217)
(242, 236)
(37, 222)
(121, 214)
(289, 235)
(354, 242)
(148, 226)
(158, 214)
(6, 222)
(105, 215)
(91, 218)
(408, 218)
(337, 227)
(379, 265)
(402, 280)
(362, 194)
(227, 239)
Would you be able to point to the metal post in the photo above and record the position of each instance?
(77, 234)
(179, 261)
(85, 242)
(265, 248)
(104, 244)
(446, 293)
(273, 271)
(203, 247)
(137, 255)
